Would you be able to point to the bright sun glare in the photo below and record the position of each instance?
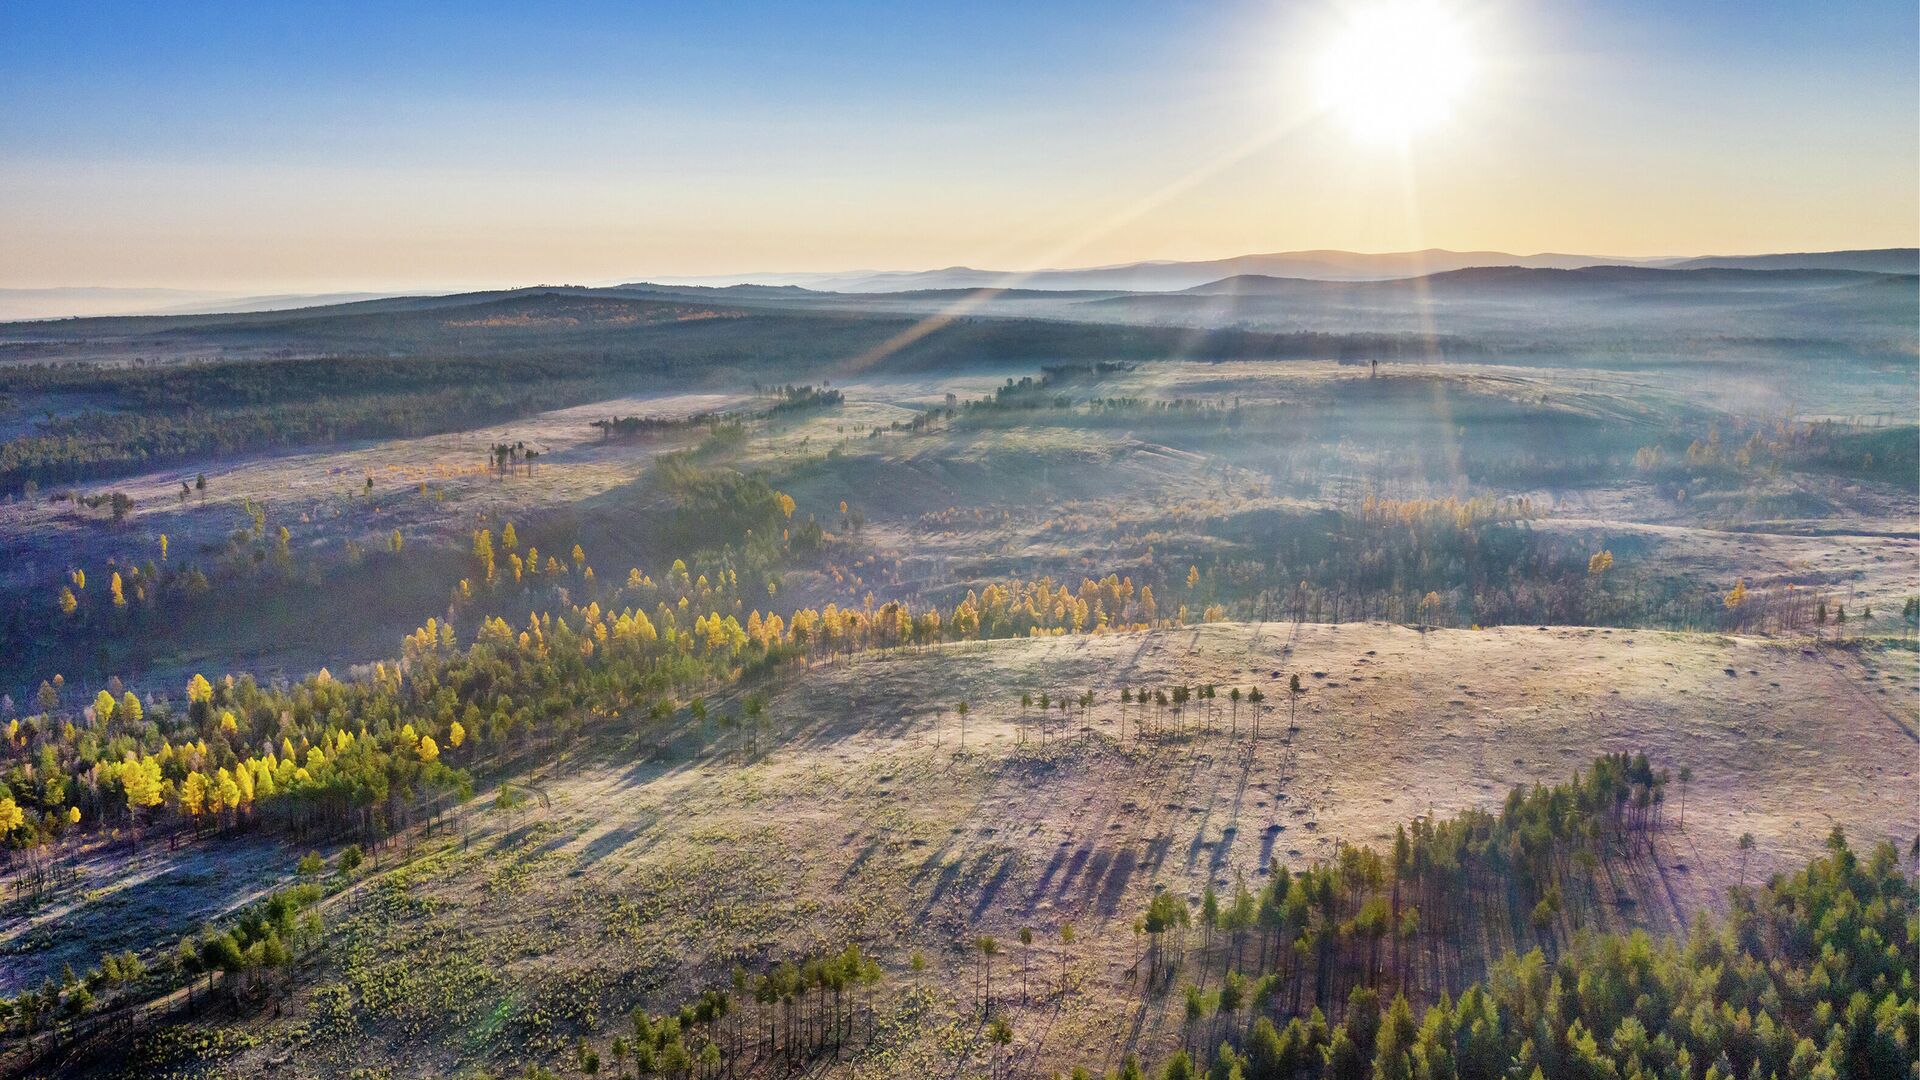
(1395, 69)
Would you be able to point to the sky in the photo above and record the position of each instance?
(266, 147)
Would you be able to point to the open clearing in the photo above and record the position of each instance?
(1038, 492)
(657, 866)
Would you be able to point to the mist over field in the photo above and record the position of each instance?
(1324, 540)
(1047, 587)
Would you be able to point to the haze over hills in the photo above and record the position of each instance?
(592, 337)
(63, 302)
(1245, 274)
(1320, 265)
(1531, 279)
(84, 301)
(1621, 310)
(1352, 540)
(1883, 260)
(1740, 439)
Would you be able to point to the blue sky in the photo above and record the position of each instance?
(265, 146)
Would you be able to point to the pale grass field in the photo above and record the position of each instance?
(659, 865)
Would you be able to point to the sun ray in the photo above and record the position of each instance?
(1146, 204)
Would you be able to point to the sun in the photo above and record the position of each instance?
(1395, 69)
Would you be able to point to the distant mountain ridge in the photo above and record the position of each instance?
(1167, 277)
(1878, 260)
(1474, 312)
(1497, 278)
(1314, 265)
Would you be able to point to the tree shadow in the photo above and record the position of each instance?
(609, 842)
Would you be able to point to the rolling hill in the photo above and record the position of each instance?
(21, 304)
(1879, 260)
(1319, 265)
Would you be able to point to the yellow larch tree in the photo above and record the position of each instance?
(140, 778)
(193, 794)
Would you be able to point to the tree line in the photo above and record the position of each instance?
(376, 754)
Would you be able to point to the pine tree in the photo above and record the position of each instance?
(1026, 957)
(1067, 939)
(999, 1033)
(988, 949)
